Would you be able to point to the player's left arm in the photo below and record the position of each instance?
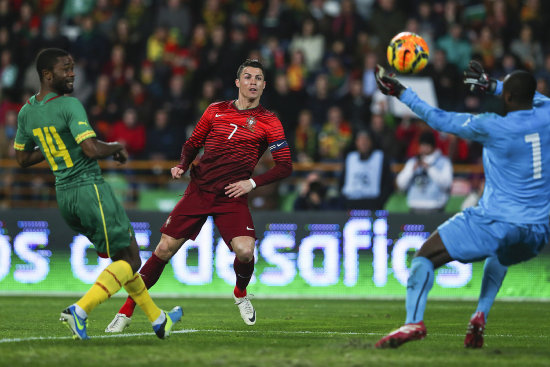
(26, 151)
(280, 152)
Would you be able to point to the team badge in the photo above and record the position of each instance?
(250, 123)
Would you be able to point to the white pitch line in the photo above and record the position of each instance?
(222, 331)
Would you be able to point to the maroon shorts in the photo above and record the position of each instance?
(231, 215)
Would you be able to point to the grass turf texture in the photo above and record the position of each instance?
(287, 333)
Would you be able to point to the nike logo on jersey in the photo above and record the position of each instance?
(250, 229)
(467, 122)
(219, 114)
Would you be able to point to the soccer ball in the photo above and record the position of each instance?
(408, 53)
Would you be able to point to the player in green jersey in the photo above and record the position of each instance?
(55, 127)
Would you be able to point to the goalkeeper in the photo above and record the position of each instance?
(510, 224)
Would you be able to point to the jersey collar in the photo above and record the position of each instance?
(46, 99)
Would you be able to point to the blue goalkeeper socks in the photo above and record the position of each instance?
(493, 275)
(421, 280)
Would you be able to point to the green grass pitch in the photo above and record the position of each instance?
(288, 333)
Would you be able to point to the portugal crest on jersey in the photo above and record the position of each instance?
(250, 123)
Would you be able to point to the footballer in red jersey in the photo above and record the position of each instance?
(234, 135)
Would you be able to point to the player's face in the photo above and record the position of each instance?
(251, 83)
(63, 75)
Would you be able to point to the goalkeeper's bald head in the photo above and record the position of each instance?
(520, 88)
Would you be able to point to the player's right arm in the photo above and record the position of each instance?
(195, 142)
(26, 151)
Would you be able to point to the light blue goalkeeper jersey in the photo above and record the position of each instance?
(516, 155)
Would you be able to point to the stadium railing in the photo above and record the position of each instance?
(34, 187)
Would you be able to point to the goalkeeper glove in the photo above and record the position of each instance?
(478, 80)
(387, 84)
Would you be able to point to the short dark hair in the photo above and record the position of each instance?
(47, 58)
(521, 85)
(428, 138)
(252, 63)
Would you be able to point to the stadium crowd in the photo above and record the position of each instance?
(147, 69)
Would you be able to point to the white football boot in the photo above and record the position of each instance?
(119, 323)
(248, 313)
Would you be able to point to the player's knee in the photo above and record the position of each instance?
(245, 255)
(167, 247)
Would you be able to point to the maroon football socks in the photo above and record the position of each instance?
(243, 271)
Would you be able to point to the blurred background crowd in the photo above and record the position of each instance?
(147, 69)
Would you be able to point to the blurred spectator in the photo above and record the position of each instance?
(50, 36)
(102, 107)
(304, 142)
(382, 134)
(277, 20)
(387, 20)
(335, 135)
(457, 49)
(140, 18)
(156, 44)
(426, 23)
(178, 101)
(427, 177)
(356, 106)
(367, 180)
(9, 71)
(285, 103)
(337, 76)
(130, 132)
(130, 41)
(346, 25)
(89, 48)
(208, 96)
(106, 18)
(311, 43)
(319, 100)
(175, 14)
(25, 29)
(313, 194)
(138, 99)
(74, 9)
(527, 49)
(163, 140)
(544, 71)
(119, 71)
(213, 14)
(296, 71)
(488, 48)
(447, 80)
(7, 135)
(508, 64)
(6, 14)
